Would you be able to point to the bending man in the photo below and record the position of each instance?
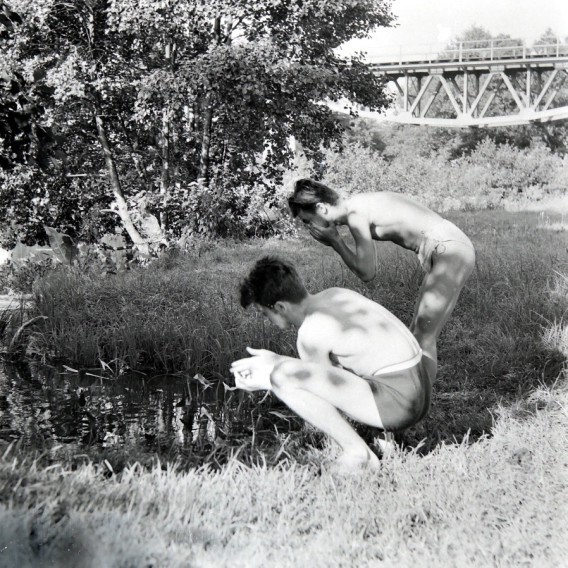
(446, 254)
(356, 358)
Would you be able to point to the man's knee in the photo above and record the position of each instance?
(435, 304)
(290, 373)
(422, 325)
(463, 264)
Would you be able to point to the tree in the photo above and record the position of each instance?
(191, 104)
(23, 138)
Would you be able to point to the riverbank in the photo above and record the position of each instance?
(483, 480)
(181, 315)
(501, 501)
(15, 301)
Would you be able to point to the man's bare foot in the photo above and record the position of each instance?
(387, 445)
(352, 463)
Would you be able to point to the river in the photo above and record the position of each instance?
(139, 416)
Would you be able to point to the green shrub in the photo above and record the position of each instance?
(357, 169)
(479, 180)
(20, 279)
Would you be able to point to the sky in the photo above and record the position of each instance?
(432, 23)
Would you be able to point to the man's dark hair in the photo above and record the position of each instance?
(307, 193)
(271, 280)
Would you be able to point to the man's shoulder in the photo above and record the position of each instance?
(362, 207)
(324, 309)
(325, 299)
(336, 302)
(318, 318)
(318, 331)
(332, 303)
(357, 201)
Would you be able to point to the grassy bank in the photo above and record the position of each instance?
(502, 501)
(506, 337)
(494, 492)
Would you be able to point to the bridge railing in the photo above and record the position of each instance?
(474, 50)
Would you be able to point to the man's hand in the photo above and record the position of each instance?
(253, 373)
(325, 235)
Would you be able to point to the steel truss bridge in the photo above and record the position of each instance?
(479, 84)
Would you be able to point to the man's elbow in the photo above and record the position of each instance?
(284, 373)
(366, 275)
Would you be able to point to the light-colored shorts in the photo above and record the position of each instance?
(402, 397)
(434, 242)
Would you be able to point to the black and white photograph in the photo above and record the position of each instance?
(283, 283)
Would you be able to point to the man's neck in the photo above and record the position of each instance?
(299, 311)
(341, 211)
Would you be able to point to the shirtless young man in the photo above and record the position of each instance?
(446, 254)
(356, 358)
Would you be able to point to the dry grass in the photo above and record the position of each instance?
(493, 493)
(502, 501)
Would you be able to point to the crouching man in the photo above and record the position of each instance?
(356, 358)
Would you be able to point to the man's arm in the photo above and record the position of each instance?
(363, 261)
(253, 373)
(315, 339)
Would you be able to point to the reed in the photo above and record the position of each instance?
(505, 337)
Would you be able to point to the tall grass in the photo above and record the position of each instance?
(185, 318)
(14, 319)
(504, 338)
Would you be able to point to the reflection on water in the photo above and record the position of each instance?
(165, 415)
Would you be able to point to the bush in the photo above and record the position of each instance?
(480, 180)
(513, 170)
(357, 169)
(20, 279)
(226, 210)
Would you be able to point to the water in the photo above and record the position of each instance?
(141, 416)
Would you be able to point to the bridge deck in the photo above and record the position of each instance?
(481, 83)
(476, 56)
(543, 63)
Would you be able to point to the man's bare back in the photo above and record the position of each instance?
(392, 217)
(358, 334)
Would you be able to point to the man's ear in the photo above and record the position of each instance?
(281, 307)
(321, 208)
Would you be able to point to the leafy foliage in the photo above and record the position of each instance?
(165, 99)
(24, 136)
(422, 163)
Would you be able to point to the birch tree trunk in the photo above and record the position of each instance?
(122, 206)
(208, 116)
(165, 177)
